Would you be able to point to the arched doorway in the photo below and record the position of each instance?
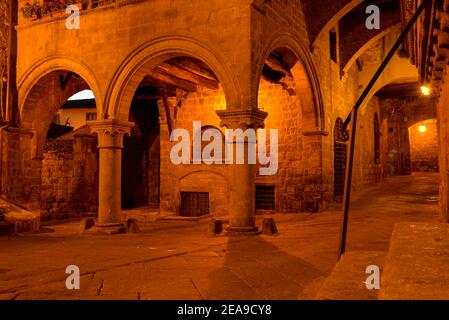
(286, 93)
(141, 156)
(62, 150)
(173, 95)
(424, 147)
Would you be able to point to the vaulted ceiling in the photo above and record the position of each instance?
(350, 17)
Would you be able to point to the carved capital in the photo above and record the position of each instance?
(249, 118)
(110, 132)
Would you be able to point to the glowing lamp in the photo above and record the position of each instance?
(422, 129)
(425, 90)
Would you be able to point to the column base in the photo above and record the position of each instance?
(107, 229)
(242, 231)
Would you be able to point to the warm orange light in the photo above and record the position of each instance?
(422, 129)
(425, 90)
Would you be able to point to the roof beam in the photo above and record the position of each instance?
(182, 73)
(193, 67)
(164, 78)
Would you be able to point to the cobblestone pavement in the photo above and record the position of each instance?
(175, 260)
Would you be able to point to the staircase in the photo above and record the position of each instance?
(415, 267)
(16, 219)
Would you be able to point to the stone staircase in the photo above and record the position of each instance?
(16, 219)
(415, 267)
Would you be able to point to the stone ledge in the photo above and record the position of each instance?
(417, 263)
(347, 280)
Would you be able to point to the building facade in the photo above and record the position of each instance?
(156, 66)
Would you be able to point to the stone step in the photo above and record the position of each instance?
(16, 219)
(417, 263)
(347, 280)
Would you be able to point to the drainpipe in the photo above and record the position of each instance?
(352, 118)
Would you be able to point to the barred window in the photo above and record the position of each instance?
(194, 204)
(265, 197)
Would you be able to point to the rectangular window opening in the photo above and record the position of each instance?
(265, 198)
(194, 204)
(90, 116)
(333, 45)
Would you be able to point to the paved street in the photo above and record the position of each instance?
(175, 260)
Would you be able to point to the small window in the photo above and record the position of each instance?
(194, 204)
(265, 198)
(90, 116)
(333, 45)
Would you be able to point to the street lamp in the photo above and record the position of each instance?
(425, 90)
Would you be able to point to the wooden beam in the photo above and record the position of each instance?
(188, 75)
(275, 66)
(65, 79)
(193, 67)
(166, 78)
(272, 75)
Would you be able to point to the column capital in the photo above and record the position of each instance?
(246, 118)
(110, 132)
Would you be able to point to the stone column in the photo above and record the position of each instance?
(110, 144)
(242, 189)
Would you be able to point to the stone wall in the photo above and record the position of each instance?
(443, 133)
(298, 181)
(400, 115)
(21, 173)
(199, 106)
(424, 146)
(398, 154)
(69, 178)
(366, 169)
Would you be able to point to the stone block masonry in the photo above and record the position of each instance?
(69, 178)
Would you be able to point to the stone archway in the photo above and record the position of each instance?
(298, 55)
(42, 68)
(173, 75)
(288, 90)
(146, 57)
(41, 181)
